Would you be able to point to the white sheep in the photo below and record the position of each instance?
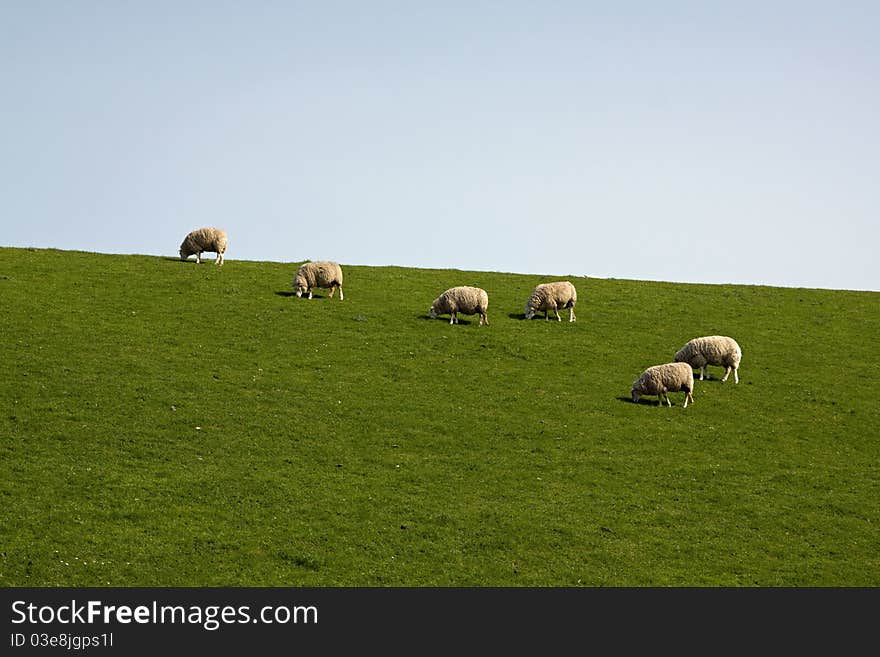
(552, 296)
(320, 273)
(463, 299)
(712, 350)
(660, 380)
(204, 239)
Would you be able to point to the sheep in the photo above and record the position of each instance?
(463, 299)
(712, 350)
(204, 239)
(660, 380)
(552, 296)
(320, 273)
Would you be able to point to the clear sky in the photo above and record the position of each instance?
(713, 142)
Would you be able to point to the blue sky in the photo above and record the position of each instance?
(711, 142)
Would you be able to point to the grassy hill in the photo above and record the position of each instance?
(170, 424)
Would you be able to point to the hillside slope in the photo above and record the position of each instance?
(171, 424)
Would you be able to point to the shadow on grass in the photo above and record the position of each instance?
(190, 261)
(461, 320)
(291, 293)
(540, 316)
(642, 401)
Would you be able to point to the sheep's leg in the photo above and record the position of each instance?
(735, 375)
(310, 293)
(452, 319)
(726, 373)
(332, 290)
(571, 317)
(702, 370)
(340, 293)
(556, 311)
(198, 257)
(219, 259)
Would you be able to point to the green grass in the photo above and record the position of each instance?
(168, 424)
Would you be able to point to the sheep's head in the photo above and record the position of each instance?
(184, 255)
(636, 395)
(679, 356)
(529, 312)
(433, 312)
(300, 283)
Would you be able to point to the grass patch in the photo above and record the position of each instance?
(169, 424)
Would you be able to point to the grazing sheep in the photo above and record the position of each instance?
(321, 273)
(712, 350)
(552, 296)
(204, 239)
(660, 380)
(464, 299)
